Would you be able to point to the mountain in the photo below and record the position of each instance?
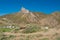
(25, 17)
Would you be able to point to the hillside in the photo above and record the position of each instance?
(24, 18)
(26, 25)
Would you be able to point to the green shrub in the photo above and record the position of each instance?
(58, 38)
(45, 39)
(5, 37)
(5, 30)
(11, 36)
(31, 29)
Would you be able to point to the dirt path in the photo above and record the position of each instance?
(49, 32)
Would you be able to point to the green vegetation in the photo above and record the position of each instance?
(11, 36)
(16, 30)
(58, 38)
(6, 37)
(32, 28)
(5, 29)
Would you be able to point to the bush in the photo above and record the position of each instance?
(5, 30)
(31, 29)
(58, 38)
(45, 39)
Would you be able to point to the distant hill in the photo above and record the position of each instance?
(25, 17)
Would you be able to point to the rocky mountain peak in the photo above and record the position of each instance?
(24, 10)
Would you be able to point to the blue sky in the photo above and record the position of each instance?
(45, 6)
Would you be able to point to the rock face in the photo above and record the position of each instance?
(49, 21)
(23, 10)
